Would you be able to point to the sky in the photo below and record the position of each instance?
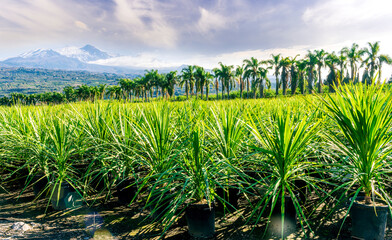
(163, 33)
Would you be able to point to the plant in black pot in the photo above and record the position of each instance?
(226, 133)
(284, 143)
(156, 146)
(362, 117)
(97, 122)
(194, 179)
(61, 147)
(21, 138)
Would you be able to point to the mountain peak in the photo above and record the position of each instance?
(87, 53)
(89, 47)
(39, 53)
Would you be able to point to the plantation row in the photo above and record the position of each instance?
(189, 156)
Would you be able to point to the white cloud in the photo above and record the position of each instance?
(144, 60)
(338, 13)
(150, 60)
(210, 21)
(155, 60)
(81, 25)
(145, 22)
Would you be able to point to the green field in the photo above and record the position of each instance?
(175, 154)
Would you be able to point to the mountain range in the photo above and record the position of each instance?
(70, 58)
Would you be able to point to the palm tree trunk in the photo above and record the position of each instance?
(319, 85)
(217, 90)
(196, 88)
(207, 90)
(284, 80)
(247, 88)
(228, 91)
(310, 80)
(261, 86)
(352, 72)
(379, 74)
(201, 91)
(241, 86)
(187, 90)
(223, 89)
(277, 82)
(254, 93)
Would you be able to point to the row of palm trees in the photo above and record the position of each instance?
(290, 74)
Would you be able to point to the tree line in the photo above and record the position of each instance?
(292, 75)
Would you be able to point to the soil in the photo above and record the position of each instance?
(114, 221)
(373, 203)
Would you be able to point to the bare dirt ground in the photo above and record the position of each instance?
(23, 217)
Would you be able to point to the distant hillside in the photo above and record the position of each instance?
(37, 80)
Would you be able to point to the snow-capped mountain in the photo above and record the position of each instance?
(86, 54)
(87, 58)
(39, 53)
(44, 58)
(71, 58)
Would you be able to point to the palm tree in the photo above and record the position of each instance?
(372, 57)
(275, 62)
(332, 61)
(320, 55)
(146, 86)
(354, 55)
(343, 64)
(69, 93)
(226, 75)
(284, 64)
(101, 90)
(293, 75)
(239, 73)
(208, 80)
(312, 61)
(383, 59)
(302, 67)
(262, 72)
(111, 92)
(153, 77)
(84, 92)
(200, 76)
(216, 76)
(188, 78)
(126, 87)
(247, 77)
(252, 70)
(118, 91)
(171, 80)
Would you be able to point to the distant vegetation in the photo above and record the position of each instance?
(36, 80)
(250, 80)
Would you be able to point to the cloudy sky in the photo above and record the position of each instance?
(171, 32)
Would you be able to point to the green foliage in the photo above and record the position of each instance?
(363, 118)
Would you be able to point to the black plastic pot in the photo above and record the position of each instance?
(301, 189)
(126, 191)
(251, 176)
(63, 197)
(290, 217)
(39, 184)
(201, 220)
(230, 195)
(365, 223)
